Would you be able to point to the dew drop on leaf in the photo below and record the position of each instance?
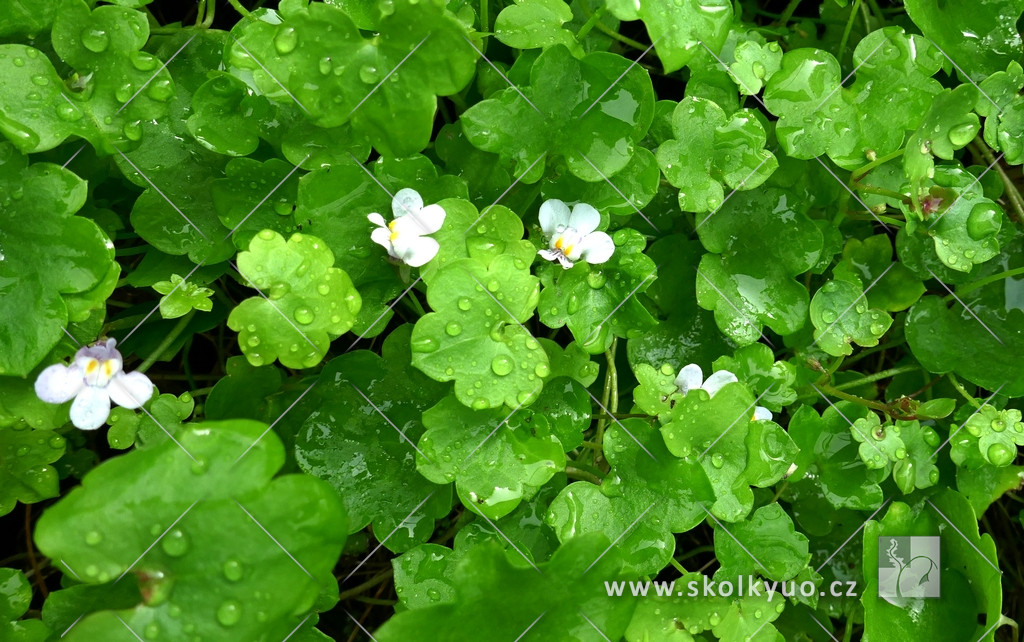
(304, 315)
(175, 543)
(453, 329)
(501, 365)
(286, 40)
(229, 613)
(92, 538)
(95, 40)
(233, 570)
(983, 222)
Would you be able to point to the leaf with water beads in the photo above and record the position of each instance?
(225, 115)
(949, 125)
(755, 63)
(306, 302)
(256, 196)
(1003, 108)
(205, 565)
(681, 29)
(599, 301)
(181, 296)
(474, 336)
(905, 448)
(529, 24)
(767, 537)
(15, 599)
(993, 434)
(26, 475)
(771, 380)
(868, 261)
(841, 316)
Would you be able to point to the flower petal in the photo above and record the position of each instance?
(553, 214)
(130, 390)
(382, 236)
(429, 219)
(549, 255)
(377, 220)
(584, 218)
(407, 201)
(596, 247)
(91, 408)
(565, 262)
(59, 383)
(718, 380)
(689, 378)
(762, 414)
(417, 251)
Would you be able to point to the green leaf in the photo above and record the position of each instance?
(226, 114)
(505, 597)
(710, 150)
(255, 196)
(679, 617)
(633, 188)
(980, 38)
(905, 448)
(994, 434)
(771, 380)
(201, 553)
(494, 464)
(968, 574)
(590, 112)
(474, 337)
(868, 262)
(528, 24)
(315, 56)
(1003, 108)
(983, 486)
(949, 125)
(679, 30)
(364, 452)
(755, 64)
(423, 576)
(181, 297)
(15, 599)
(242, 394)
(598, 302)
(165, 417)
(25, 473)
(46, 253)
(21, 19)
(307, 301)
(765, 543)
(841, 317)
(828, 462)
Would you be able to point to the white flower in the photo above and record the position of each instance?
(571, 235)
(691, 377)
(93, 380)
(405, 237)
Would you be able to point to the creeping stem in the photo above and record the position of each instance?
(166, 343)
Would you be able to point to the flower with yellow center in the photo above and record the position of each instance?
(572, 235)
(93, 380)
(405, 237)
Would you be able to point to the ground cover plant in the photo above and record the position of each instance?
(425, 320)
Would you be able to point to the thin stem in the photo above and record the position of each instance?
(168, 340)
(484, 20)
(884, 374)
(611, 33)
(589, 24)
(1011, 190)
(881, 191)
(573, 472)
(846, 31)
(787, 13)
(677, 566)
(36, 575)
(200, 12)
(980, 283)
(239, 8)
(877, 11)
(963, 391)
(610, 381)
(881, 160)
(881, 407)
(374, 581)
(211, 9)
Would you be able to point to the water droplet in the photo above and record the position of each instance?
(304, 315)
(124, 92)
(175, 543)
(963, 134)
(983, 221)
(479, 404)
(999, 425)
(465, 304)
(323, 289)
(326, 65)
(199, 465)
(161, 90)
(542, 370)
(92, 538)
(95, 40)
(423, 344)
(828, 316)
(1000, 455)
(453, 329)
(286, 40)
(718, 460)
(67, 111)
(253, 340)
(267, 235)
(596, 280)
(574, 304)
(501, 365)
(133, 130)
(493, 285)
(152, 630)
(229, 613)
(233, 570)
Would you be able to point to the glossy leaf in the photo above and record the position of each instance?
(841, 316)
